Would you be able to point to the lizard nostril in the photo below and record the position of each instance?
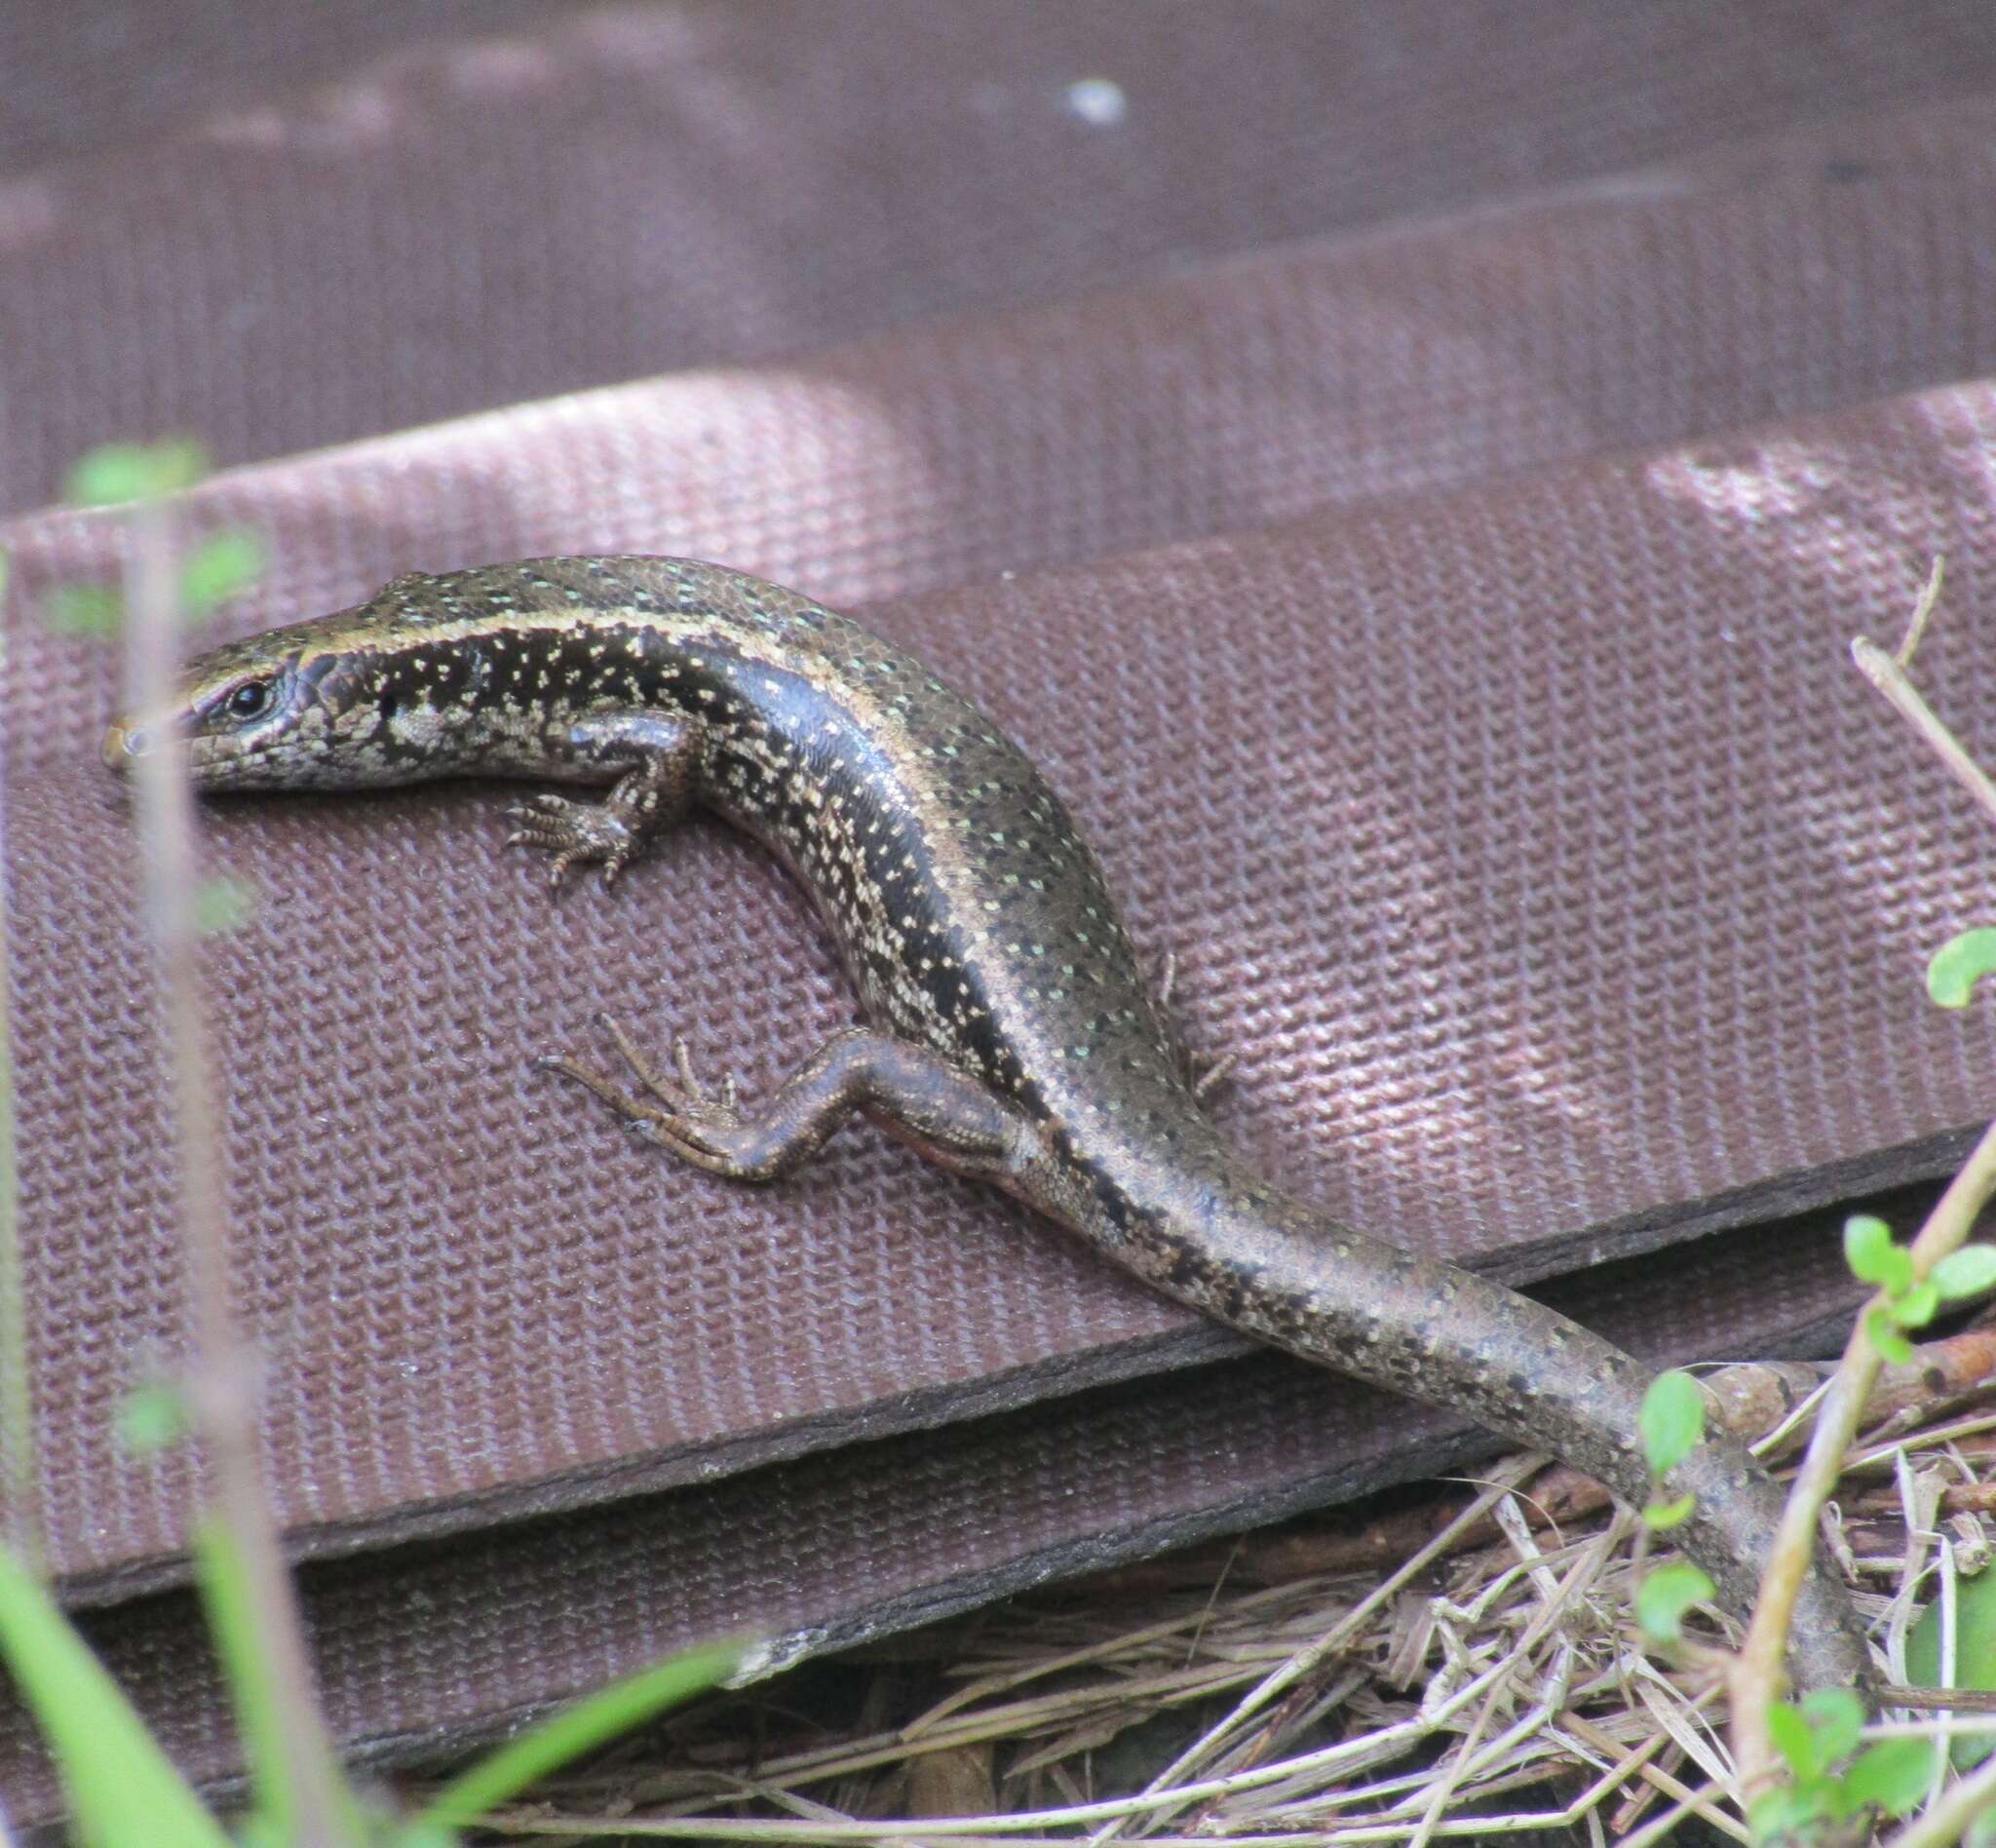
(122, 743)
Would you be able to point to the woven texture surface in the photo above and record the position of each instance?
(433, 1646)
(1442, 680)
(491, 204)
(1482, 826)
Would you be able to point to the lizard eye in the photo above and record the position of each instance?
(249, 700)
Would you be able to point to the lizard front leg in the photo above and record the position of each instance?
(656, 761)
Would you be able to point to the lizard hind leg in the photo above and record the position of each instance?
(909, 1088)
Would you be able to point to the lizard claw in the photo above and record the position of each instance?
(1203, 1071)
(688, 1119)
(575, 834)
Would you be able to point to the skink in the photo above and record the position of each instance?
(1012, 1034)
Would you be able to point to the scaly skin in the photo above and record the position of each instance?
(1013, 1036)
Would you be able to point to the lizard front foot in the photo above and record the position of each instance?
(576, 833)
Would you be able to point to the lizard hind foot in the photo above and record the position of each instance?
(1203, 1073)
(686, 1120)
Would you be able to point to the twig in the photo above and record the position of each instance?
(220, 1392)
(1629, 1762)
(1202, 1750)
(1923, 608)
(1756, 1674)
(1888, 673)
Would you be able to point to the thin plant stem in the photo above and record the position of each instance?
(1888, 673)
(1756, 1676)
(221, 1389)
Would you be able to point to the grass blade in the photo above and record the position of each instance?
(123, 1790)
(577, 1729)
(248, 1667)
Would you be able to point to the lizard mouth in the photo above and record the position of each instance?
(127, 741)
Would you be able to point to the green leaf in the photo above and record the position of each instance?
(136, 471)
(1836, 1717)
(1671, 1419)
(221, 566)
(1894, 1774)
(1659, 1517)
(423, 1836)
(577, 1729)
(123, 1790)
(1666, 1593)
(220, 905)
(1915, 1309)
(94, 610)
(1975, 1654)
(230, 1605)
(1793, 1740)
(1959, 964)
(151, 1418)
(1967, 1272)
(1790, 1815)
(1886, 1338)
(1871, 1254)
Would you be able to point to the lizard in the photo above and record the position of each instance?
(1010, 1031)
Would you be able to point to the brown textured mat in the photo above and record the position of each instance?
(1660, 307)
(105, 72)
(1559, 887)
(1536, 850)
(590, 195)
(431, 1647)
(1239, 393)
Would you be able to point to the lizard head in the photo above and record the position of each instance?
(313, 705)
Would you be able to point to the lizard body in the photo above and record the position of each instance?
(1010, 1032)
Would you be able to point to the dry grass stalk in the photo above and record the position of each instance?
(1489, 1689)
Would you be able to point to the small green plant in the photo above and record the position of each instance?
(1670, 1425)
(1959, 964)
(218, 566)
(1666, 1593)
(123, 1792)
(1876, 1258)
(1814, 1737)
